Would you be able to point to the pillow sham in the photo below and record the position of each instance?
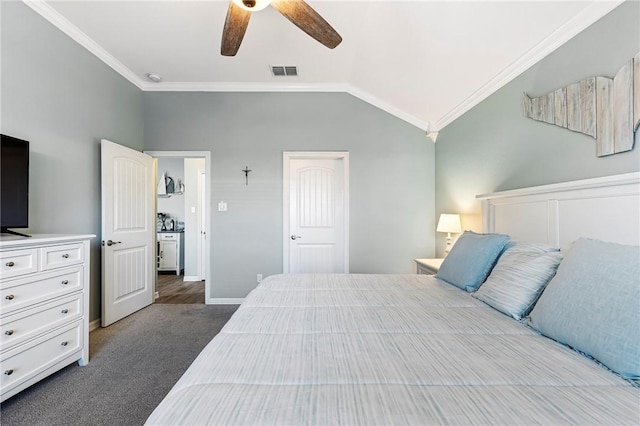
(471, 259)
(593, 304)
(527, 246)
(521, 274)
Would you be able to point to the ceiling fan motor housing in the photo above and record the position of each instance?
(249, 3)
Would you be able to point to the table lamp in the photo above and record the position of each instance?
(449, 223)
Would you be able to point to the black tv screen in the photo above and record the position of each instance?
(14, 183)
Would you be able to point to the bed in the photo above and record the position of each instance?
(415, 349)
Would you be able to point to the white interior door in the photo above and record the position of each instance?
(128, 228)
(316, 217)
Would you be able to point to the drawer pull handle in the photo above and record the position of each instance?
(8, 332)
(8, 372)
(66, 255)
(10, 264)
(65, 311)
(65, 282)
(9, 297)
(64, 343)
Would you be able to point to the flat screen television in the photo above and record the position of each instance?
(14, 184)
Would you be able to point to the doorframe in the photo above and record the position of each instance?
(207, 168)
(203, 213)
(287, 156)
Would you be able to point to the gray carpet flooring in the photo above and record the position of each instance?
(132, 365)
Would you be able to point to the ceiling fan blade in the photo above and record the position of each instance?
(234, 28)
(308, 20)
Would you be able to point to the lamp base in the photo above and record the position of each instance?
(447, 248)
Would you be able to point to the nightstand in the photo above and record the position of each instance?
(428, 266)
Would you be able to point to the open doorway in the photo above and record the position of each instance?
(183, 224)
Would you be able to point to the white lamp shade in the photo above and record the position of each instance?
(449, 223)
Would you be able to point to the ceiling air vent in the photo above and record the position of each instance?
(284, 70)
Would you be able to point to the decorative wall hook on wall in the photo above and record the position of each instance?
(246, 175)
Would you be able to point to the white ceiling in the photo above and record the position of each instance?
(426, 62)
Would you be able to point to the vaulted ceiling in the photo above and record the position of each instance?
(426, 62)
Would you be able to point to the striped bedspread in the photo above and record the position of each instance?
(387, 350)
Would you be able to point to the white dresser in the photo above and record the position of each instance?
(44, 307)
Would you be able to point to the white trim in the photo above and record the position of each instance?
(95, 324)
(287, 156)
(191, 278)
(387, 107)
(207, 167)
(63, 24)
(225, 301)
(187, 86)
(564, 33)
(156, 294)
(203, 211)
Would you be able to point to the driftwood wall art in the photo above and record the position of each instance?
(607, 109)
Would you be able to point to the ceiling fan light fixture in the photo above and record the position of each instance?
(252, 5)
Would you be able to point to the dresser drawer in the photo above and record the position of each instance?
(23, 362)
(22, 292)
(58, 256)
(14, 263)
(18, 328)
(164, 236)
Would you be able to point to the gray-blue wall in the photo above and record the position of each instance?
(391, 175)
(494, 147)
(63, 100)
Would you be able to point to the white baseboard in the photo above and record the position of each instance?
(224, 301)
(191, 278)
(156, 295)
(95, 324)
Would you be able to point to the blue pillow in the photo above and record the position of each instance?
(471, 259)
(593, 304)
(517, 280)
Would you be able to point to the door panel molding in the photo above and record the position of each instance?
(287, 157)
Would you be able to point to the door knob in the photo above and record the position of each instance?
(295, 237)
(110, 242)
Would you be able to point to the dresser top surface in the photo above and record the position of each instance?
(9, 241)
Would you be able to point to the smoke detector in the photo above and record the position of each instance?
(156, 78)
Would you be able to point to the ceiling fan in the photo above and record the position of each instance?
(297, 11)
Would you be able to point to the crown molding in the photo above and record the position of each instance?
(176, 86)
(64, 25)
(285, 87)
(561, 35)
(387, 107)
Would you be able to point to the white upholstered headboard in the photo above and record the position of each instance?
(606, 208)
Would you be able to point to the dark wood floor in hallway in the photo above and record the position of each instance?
(173, 290)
